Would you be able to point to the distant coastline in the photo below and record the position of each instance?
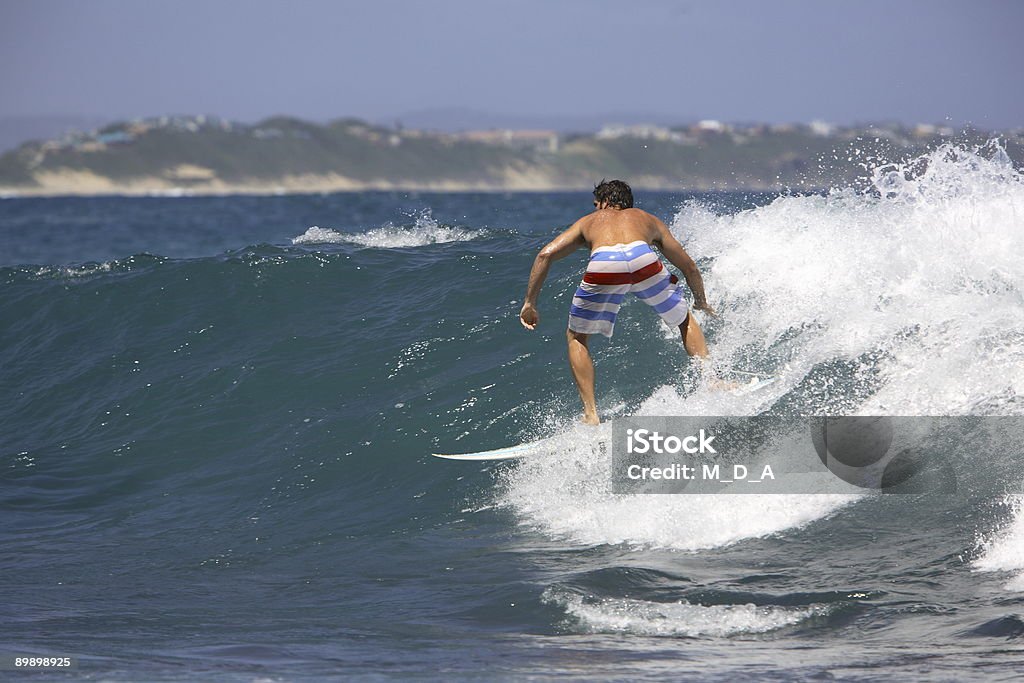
(171, 156)
(85, 184)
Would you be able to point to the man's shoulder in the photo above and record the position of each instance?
(583, 221)
(647, 221)
(639, 213)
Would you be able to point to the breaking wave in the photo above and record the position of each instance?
(423, 231)
(904, 300)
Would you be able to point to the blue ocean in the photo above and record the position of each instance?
(218, 417)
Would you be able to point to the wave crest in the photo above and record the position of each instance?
(907, 301)
(1004, 550)
(916, 286)
(423, 231)
(641, 617)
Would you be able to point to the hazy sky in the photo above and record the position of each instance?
(922, 60)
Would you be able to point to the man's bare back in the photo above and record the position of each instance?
(616, 225)
(610, 226)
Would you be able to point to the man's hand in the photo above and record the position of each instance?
(704, 306)
(529, 316)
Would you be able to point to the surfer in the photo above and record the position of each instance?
(621, 261)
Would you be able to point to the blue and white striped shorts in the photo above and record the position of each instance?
(613, 272)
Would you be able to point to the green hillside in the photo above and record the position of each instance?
(281, 153)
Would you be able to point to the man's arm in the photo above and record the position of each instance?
(560, 247)
(675, 253)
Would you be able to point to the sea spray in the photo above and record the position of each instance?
(903, 300)
(425, 229)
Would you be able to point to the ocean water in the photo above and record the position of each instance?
(218, 412)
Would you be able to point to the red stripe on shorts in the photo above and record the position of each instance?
(598, 278)
(608, 278)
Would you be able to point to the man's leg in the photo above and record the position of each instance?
(693, 338)
(583, 372)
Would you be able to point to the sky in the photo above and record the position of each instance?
(536, 61)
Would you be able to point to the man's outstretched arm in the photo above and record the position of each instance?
(560, 247)
(675, 253)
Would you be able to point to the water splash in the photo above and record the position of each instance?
(424, 230)
(904, 300)
(640, 617)
(1003, 551)
(918, 287)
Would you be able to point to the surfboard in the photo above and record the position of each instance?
(755, 385)
(524, 450)
(507, 453)
(511, 452)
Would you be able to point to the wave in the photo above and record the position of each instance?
(915, 288)
(1004, 550)
(646, 618)
(907, 299)
(423, 231)
(127, 264)
(903, 300)
(568, 495)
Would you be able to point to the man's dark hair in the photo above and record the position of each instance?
(615, 192)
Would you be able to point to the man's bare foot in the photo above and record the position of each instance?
(590, 419)
(719, 384)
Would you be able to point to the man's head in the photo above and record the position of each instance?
(613, 193)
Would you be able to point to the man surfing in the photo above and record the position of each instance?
(621, 262)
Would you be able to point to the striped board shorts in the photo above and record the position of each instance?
(613, 272)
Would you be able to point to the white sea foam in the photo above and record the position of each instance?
(920, 285)
(567, 494)
(926, 277)
(425, 230)
(640, 617)
(1003, 551)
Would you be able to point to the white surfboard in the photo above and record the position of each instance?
(512, 452)
(524, 450)
(755, 384)
(507, 453)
